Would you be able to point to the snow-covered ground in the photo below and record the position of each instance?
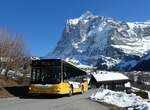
(121, 99)
(12, 74)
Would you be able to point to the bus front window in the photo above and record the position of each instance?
(46, 75)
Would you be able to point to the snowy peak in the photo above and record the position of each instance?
(87, 16)
(103, 42)
(83, 18)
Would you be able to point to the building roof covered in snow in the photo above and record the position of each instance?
(109, 76)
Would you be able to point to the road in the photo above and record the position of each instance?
(75, 102)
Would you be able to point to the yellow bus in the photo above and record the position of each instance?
(55, 76)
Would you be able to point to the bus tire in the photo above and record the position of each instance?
(82, 89)
(71, 90)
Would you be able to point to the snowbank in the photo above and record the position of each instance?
(121, 99)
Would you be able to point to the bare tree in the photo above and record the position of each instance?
(13, 55)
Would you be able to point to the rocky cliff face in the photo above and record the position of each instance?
(103, 42)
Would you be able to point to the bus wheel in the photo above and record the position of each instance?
(82, 89)
(71, 91)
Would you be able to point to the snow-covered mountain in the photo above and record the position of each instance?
(143, 64)
(103, 42)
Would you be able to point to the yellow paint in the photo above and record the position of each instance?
(62, 88)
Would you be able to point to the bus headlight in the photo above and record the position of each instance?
(57, 89)
(30, 88)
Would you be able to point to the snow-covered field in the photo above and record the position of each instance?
(121, 99)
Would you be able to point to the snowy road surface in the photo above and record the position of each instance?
(76, 102)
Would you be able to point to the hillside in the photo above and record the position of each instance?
(143, 64)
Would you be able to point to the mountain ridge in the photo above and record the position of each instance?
(103, 42)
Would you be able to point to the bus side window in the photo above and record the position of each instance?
(66, 75)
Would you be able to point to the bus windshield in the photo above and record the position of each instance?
(46, 75)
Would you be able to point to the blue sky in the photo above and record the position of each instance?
(41, 22)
